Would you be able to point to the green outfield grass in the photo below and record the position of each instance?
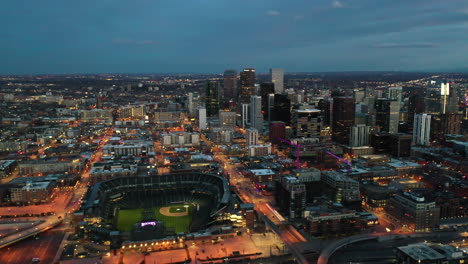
(177, 209)
(128, 217)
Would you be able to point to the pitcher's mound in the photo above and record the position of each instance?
(174, 211)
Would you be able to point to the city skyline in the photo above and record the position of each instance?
(323, 36)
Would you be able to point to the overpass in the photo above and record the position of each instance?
(328, 251)
(23, 234)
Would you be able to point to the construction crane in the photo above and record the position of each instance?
(348, 168)
(298, 151)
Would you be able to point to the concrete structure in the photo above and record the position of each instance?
(306, 123)
(412, 209)
(422, 129)
(256, 116)
(180, 139)
(359, 135)
(96, 114)
(251, 137)
(324, 222)
(342, 118)
(259, 150)
(212, 98)
(7, 168)
(230, 91)
(132, 111)
(387, 115)
(202, 118)
(277, 131)
(129, 148)
(430, 253)
(277, 78)
(262, 175)
(247, 79)
(227, 119)
(291, 197)
(346, 189)
(245, 118)
(32, 193)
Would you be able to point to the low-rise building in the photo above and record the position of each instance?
(261, 175)
(291, 197)
(430, 254)
(259, 150)
(180, 139)
(326, 222)
(7, 168)
(32, 193)
(413, 210)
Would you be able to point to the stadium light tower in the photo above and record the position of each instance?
(298, 151)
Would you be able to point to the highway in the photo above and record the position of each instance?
(63, 205)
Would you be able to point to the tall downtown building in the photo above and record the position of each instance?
(230, 91)
(387, 115)
(343, 115)
(211, 98)
(422, 129)
(256, 116)
(247, 79)
(277, 78)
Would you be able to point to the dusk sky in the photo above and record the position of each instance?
(163, 36)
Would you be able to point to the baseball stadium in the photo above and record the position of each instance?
(174, 203)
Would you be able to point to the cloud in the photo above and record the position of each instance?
(273, 13)
(298, 17)
(134, 42)
(403, 45)
(337, 4)
(464, 11)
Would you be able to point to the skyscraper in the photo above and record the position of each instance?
(422, 129)
(387, 115)
(343, 115)
(190, 103)
(256, 116)
(202, 118)
(359, 135)
(247, 78)
(277, 131)
(416, 105)
(211, 98)
(395, 93)
(265, 90)
(445, 124)
(306, 123)
(230, 91)
(245, 115)
(281, 109)
(277, 78)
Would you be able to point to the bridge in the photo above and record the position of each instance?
(23, 234)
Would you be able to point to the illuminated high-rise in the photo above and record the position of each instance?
(247, 79)
(230, 91)
(422, 129)
(277, 78)
(211, 98)
(256, 116)
(343, 116)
